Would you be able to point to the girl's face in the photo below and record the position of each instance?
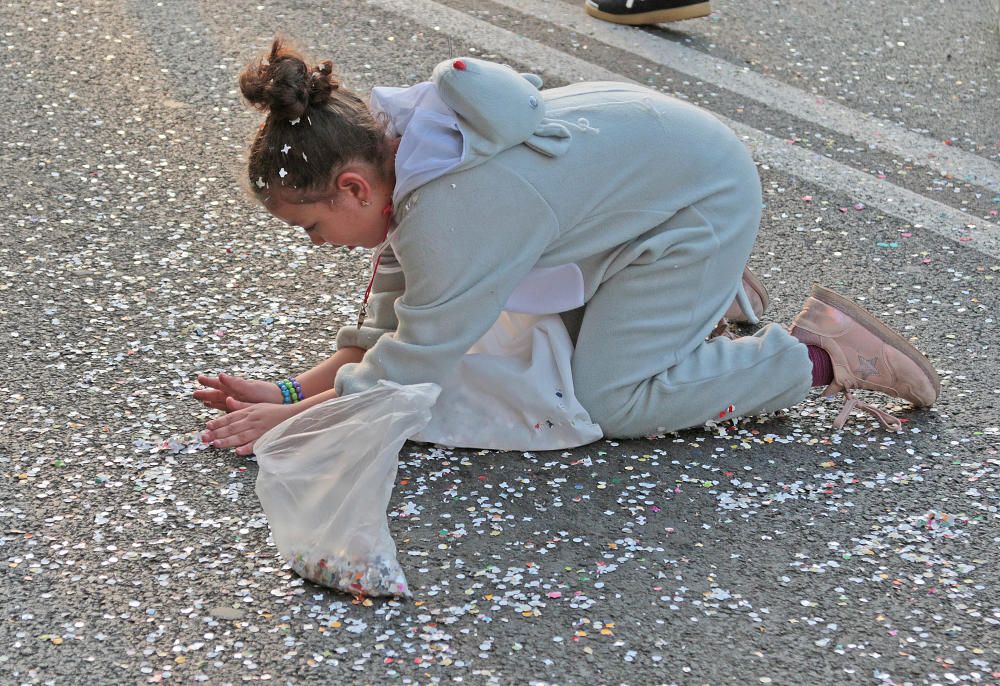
(351, 216)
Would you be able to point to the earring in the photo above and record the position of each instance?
(365, 203)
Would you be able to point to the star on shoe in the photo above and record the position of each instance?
(867, 367)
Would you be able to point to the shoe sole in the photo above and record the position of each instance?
(702, 9)
(883, 332)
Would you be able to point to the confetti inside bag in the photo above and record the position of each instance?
(325, 479)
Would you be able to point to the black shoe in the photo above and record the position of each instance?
(636, 12)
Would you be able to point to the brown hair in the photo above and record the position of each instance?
(313, 127)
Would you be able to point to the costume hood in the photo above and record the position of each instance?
(470, 111)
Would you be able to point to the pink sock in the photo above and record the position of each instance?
(822, 366)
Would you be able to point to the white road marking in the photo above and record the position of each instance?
(838, 178)
(866, 128)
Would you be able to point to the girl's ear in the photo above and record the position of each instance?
(356, 184)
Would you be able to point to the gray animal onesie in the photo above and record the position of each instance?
(655, 201)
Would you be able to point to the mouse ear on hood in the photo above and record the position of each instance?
(497, 107)
(534, 79)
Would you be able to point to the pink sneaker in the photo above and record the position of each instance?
(866, 354)
(756, 294)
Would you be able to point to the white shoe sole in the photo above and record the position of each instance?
(702, 9)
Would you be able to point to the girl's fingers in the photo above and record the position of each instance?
(246, 448)
(217, 434)
(239, 439)
(210, 381)
(220, 423)
(233, 384)
(235, 405)
(210, 394)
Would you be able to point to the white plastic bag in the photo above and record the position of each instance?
(325, 479)
(513, 391)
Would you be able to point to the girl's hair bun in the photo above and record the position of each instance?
(283, 85)
(314, 127)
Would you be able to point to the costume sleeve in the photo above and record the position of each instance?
(465, 242)
(381, 319)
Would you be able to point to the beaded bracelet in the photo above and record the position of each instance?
(291, 391)
(286, 397)
(288, 392)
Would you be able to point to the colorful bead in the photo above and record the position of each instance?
(286, 397)
(291, 391)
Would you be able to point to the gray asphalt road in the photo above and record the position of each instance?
(774, 551)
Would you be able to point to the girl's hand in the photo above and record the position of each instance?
(245, 423)
(244, 390)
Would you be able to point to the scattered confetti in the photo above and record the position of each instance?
(134, 553)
